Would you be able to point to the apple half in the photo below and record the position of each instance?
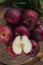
(35, 48)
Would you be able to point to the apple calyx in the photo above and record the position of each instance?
(21, 44)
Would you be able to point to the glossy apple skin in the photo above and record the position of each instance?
(13, 16)
(21, 30)
(35, 49)
(5, 34)
(37, 33)
(30, 18)
(10, 51)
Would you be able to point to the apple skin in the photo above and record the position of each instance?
(37, 33)
(22, 30)
(30, 18)
(13, 16)
(10, 51)
(5, 33)
(35, 48)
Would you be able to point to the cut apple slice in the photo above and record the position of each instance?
(27, 46)
(16, 46)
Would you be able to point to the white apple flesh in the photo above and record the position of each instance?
(17, 45)
(27, 44)
(21, 44)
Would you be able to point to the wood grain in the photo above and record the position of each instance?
(4, 58)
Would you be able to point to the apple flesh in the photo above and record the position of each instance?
(35, 48)
(30, 18)
(37, 33)
(27, 46)
(13, 16)
(5, 34)
(22, 30)
(16, 46)
(21, 45)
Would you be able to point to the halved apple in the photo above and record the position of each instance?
(21, 44)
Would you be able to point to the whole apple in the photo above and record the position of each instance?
(10, 51)
(13, 16)
(35, 48)
(22, 30)
(37, 33)
(30, 18)
(5, 33)
(19, 46)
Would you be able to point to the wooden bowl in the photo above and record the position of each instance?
(23, 59)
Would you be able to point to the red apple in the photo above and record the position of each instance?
(10, 51)
(30, 18)
(13, 16)
(21, 30)
(35, 48)
(5, 33)
(20, 45)
(37, 33)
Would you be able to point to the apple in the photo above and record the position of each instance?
(5, 33)
(27, 46)
(21, 44)
(17, 46)
(22, 30)
(30, 18)
(10, 51)
(13, 16)
(37, 33)
(35, 48)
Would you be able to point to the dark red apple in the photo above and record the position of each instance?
(35, 48)
(37, 33)
(21, 30)
(10, 51)
(30, 18)
(5, 34)
(13, 16)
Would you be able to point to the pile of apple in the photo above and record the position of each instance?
(22, 32)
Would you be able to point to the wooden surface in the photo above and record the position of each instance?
(38, 60)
